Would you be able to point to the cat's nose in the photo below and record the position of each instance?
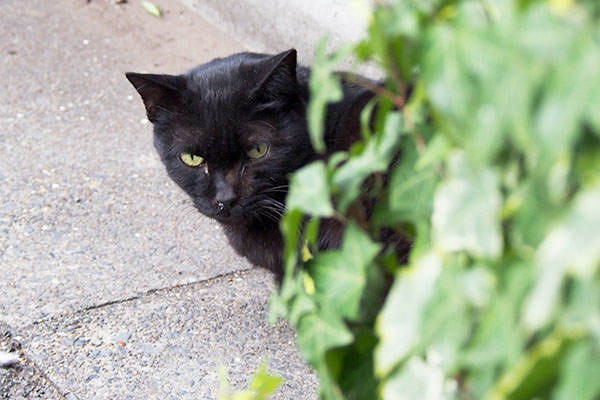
(223, 205)
(224, 201)
(224, 195)
(223, 208)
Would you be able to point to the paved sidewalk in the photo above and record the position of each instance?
(111, 285)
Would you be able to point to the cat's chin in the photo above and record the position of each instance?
(229, 218)
(238, 219)
(226, 220)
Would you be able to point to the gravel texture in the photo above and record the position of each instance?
(115, 287)
(21, 379)
(171, 344)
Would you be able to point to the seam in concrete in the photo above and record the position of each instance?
(44, 376)
(142, 295)
(62, 395)
(26, 360)
(163, 289)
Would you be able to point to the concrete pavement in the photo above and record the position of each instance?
(268, 25)
(111, 285)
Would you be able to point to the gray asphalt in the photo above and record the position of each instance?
(111, 285)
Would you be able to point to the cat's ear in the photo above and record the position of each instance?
(277, 76)
(160, 93)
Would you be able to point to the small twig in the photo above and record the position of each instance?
(489, 10)
(420, 142)
(380, 91)
(396, 77)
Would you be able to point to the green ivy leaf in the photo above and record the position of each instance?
(325, 88)
(262, 387)
(319, 332)
(290, 227)
(535, 372)
(574, 244)
(466, 210)
(309, 191)
(352, 366)
(375, 157)
(594, 103)
(534, 215)
(300, 306)
(263, 384)
(400, 320)
(568, 91)
(340, 275)
(447, 322)
(416, 380)
(578, 380)
(497, 342)
(582, 312)
(411, 189)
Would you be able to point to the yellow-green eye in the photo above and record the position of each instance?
(258, 150)
(191, 160)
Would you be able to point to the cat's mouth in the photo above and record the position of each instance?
(261, 208)
(221, 212)
(224, 214)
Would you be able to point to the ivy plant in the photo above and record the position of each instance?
(488, 127)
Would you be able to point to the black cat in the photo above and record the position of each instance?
(231, 131)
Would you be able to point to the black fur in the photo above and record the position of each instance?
(221, 109)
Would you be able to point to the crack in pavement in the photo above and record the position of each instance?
(141, 296)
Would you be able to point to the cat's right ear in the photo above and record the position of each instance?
(160, 93)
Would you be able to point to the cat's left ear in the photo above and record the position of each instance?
(277, 75)
(160, 93)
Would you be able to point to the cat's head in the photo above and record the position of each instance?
(230, 131)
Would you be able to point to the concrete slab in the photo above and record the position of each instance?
(277, 25)
(170, 344)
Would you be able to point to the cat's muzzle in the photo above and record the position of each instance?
(222, 211)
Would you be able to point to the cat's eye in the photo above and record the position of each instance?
(258, 150)
(191, 160)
